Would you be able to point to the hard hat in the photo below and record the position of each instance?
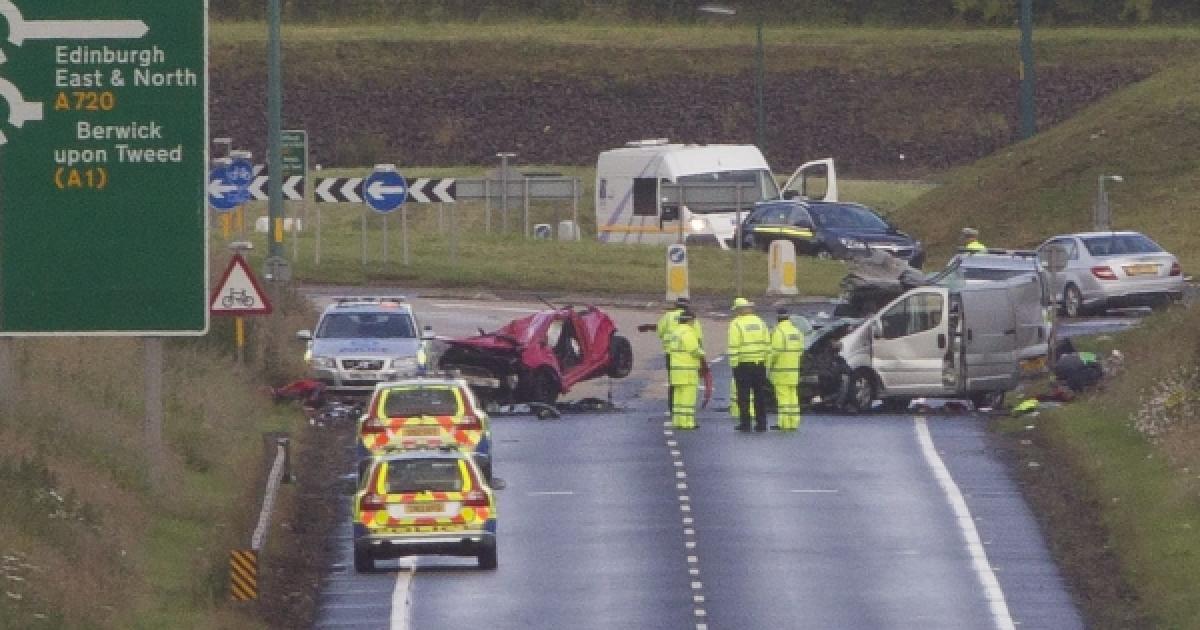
(686, 316)
(742, 303)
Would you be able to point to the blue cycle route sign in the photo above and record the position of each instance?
(385, 189)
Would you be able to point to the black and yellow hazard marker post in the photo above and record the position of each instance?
(243, 574)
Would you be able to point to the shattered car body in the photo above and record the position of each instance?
(541, 356)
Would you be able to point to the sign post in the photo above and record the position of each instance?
(294, 145)
(385, 190)
(103, 161)
(1056, 262)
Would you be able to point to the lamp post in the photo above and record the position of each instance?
(1101, 212)
(1028, 77)
(760, 118)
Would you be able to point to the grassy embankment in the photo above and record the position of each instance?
(1132, 451)
(87, 538)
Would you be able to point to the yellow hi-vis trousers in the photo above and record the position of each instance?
(787, 400)
(683, 406)
(735, 411)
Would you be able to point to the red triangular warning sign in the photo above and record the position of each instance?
(239, 293)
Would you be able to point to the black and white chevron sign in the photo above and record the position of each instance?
(293, 188)
(425, 190)
(339, 190)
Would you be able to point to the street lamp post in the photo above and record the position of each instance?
(1102, 212)
(760, 118)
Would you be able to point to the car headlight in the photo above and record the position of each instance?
(698, 225)
(851, 243)
(404, 363)
(322, 363)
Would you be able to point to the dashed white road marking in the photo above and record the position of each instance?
(1001, 616)
(551, 493)
(813, 491)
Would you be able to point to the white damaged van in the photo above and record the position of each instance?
(940, 342)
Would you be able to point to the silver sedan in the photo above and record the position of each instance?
(1113, 270)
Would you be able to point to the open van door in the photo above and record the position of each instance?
(909, 339)
(989, 338)
(815, 180)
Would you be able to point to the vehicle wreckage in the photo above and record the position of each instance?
(537, 358)
(898, 334)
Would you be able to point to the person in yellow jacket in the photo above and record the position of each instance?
(749, 343)
(687, 358)
(970, 237)
(666, 324)
(783, 368)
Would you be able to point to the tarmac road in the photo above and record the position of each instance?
(615, 521)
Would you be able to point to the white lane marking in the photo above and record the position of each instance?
(401, 598)
(551, 493)
(486, 307)
(983, 570)
(813, 491)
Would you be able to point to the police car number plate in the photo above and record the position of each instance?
(424, 508)
(421, 431)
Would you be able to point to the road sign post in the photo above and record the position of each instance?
(103, 224)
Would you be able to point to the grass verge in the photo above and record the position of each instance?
(90, 538)
(1118, 476)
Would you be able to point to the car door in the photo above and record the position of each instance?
(909, 342)
(1068, 275)
(989, 337)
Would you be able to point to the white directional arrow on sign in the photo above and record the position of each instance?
(20, 30)
(218, 188)
(379, 190)
(323, 191)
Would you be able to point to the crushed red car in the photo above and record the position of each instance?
(541, 356)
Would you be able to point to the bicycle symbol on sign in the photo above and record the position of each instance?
(237, 296)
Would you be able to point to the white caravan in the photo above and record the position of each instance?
(651, 191)
(935, 341)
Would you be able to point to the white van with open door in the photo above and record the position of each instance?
(652, 191)
(935, 341)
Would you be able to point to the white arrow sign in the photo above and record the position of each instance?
(379, 190)
(218, 188)
(348, 190)
(20, 30)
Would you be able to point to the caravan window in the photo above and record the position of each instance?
(917, 313)
(645, 196)
(759, 186)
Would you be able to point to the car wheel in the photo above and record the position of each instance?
(487, 556)
(862, 391)
(363, 561)
(1072, 301)
(620, 353)
(992, 400)
(543, 386)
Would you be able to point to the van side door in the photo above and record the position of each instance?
(990, 338)
(910, 338)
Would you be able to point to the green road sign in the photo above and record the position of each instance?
(103, 160)
(295, 152)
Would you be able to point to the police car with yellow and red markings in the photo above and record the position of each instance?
(423, 502)
(426, 412)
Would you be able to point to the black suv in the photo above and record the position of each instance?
(828, 229)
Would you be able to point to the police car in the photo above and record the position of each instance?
(433, 502)
(426, 412)
(362, 341)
